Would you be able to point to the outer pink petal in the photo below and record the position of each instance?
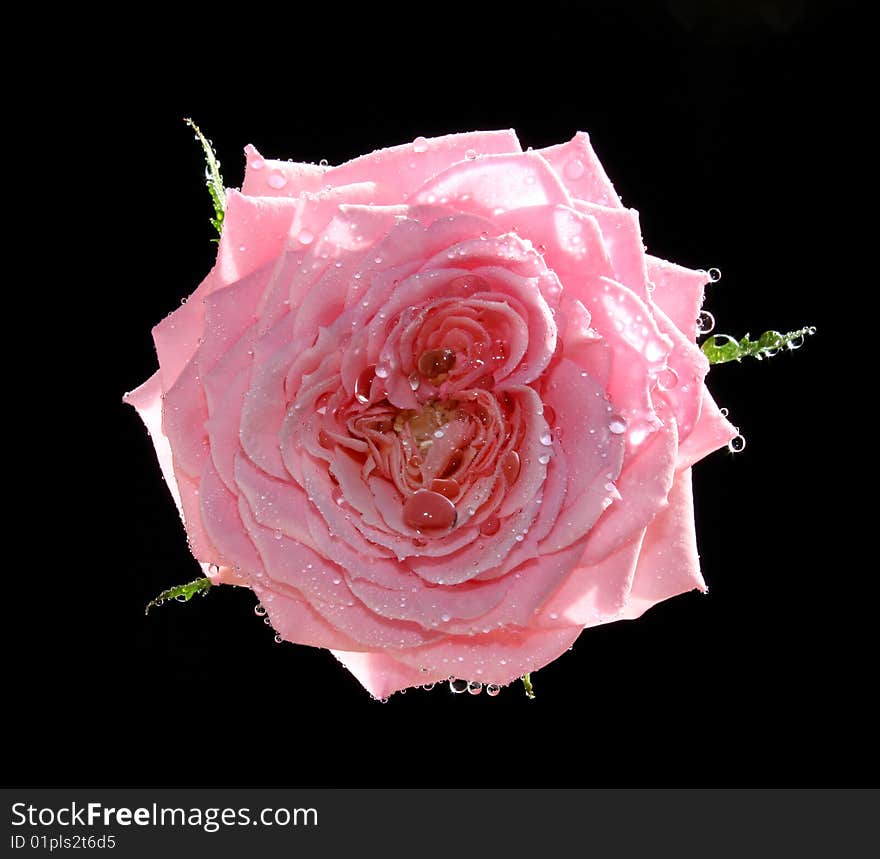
(265, 177)
(184, 413)
(593, 593)
(668, 563)
(580, 170)
(382, 675)
(644, 485)
(295, 620)
(147, 399)
(678, 291)
(497, 182)
(254, 233)
(711, 431)
(499, 657)
(401, 170)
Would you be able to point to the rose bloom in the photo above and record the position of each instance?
(437, 407)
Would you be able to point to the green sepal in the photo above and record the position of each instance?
(721, 348)
(527, 682)
(181, 593)
(213, 179)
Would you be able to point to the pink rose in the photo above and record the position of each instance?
(437, 407)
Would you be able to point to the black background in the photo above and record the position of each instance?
(731, 127)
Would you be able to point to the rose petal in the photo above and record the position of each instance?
(668, 563)
(265, 177)
(581, 172)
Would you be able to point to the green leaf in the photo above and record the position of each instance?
(527, 682)
(181, 593)
(213, 179)
(721, 348)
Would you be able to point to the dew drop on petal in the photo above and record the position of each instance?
(383, 370)
(737, 444)
(546, 439)
(544, 458)
(363, 384)
(510, 465)
(475, 687)
(493, 689)
(435, 362)
(420, 144)
(458, 686)
(259, 610)
(654, 351)
(305, 237)
(617, 425)
(428, 510)
(490, 526)
(257, 164)
(574, 169)
(276, 179)
(667, 379)
(471, 154)
(714, 275)
(278, 638)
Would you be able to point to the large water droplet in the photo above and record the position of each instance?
(428, 510)
(446, 487)
(276, 179)
(493, 689)
(305, 237)
(420, 144)
(510, 466)
(363, 384)
(383, 369)
(714, 275)
(436, 362)
(490, 526)
(458, 686)
(475, 687)
(259, 610)
(546, 439)
(617, 425)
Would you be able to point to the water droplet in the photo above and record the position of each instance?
(420, 144)
(324, 163)
(363, 384)
(510, 465)
(737, 444)
(257, 164)
(490, 526)
(446, 487)
(439, 433)
(458, 686)
(428, 686)
(667, 379)
(436, 362)
(546, 439)
(724, 413)
(617, 425)
(259, 610)
(654, 351)
(383, 370)
(519, 538)
(278, 638)
(276, 179)
(796, 343)
(714, 275)
(445, 618)
(705, 322)
(414, 381)
(544, 458)
(471, 154)
(305, 237)
(574, 169)
(428, 510)
(278, 535)
(493, 689)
